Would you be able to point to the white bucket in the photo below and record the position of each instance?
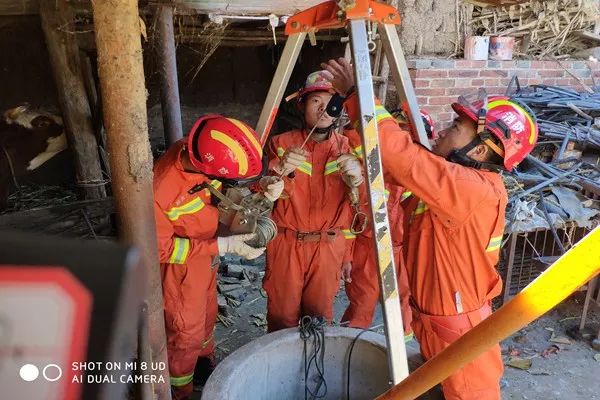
(477, 47)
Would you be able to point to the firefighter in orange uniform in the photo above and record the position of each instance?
(454, 221)
(312, 249)
(217, 148)
(363, 289)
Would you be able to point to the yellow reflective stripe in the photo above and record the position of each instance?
(348, 234)
(421, 208)
(181, 248)
(214, 183)
(405, 196)
(181, 380)
(494, 244)
(280, 151)
(331, 167)
(235, 147)
(381, 113)
(358, 151)
(305, 167)
(251, 137)
(190, 207)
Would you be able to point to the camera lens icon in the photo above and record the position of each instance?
(30, 372)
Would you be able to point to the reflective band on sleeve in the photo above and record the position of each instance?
(348, 234)
(381, 113)
(190, 207)
(358, 152)
(181, 248)
(421, 208)
(181, 380)
(405, 196)
(280, 151)
(305, 167)
(387, 194)
(494, 244)
(331, 167)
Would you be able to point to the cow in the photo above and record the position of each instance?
(33, 148)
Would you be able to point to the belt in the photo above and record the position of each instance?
(317, 236)
(451, 327)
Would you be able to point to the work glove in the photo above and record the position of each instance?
(272, 187)
(347, 272)
(351, 170)
(236, 245)
(290, 161)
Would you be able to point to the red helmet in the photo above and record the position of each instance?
(401, 117)
(225, 148)
(512, 123)
(315, 82)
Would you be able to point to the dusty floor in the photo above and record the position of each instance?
(558, 371)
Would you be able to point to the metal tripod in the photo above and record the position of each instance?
(354, 15)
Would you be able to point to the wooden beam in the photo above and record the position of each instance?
(123, 91)
(56, 17)
(19, 7)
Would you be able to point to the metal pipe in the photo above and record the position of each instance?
(576, 267)
(169, 85)
(121, 72)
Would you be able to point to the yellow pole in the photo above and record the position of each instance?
(577, 266)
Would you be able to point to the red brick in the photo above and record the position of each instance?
(505, 81)
(478, 82)
(493, 73)
(552, 73)
(442, 83)
(442, 100)
(463, 63)
(550, 64)
(421, 83)
(508, 64)
(537, 64)
(523, 81)
(550, 82)
(444, 117)
(463, 83)
(478, 64)
(461, 91)
(433, 73)
(430, 92)
(463, 74)
(435, 109)
(574, 82)
(495, 90)
(492, 82)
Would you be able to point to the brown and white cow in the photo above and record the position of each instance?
(29, 139)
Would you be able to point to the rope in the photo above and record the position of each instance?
(312, 328)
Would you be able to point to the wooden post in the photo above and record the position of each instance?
(57, 19)
(169, 85)
(122, 86)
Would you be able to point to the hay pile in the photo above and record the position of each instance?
(558, 28)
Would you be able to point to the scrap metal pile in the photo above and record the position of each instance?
(559, 183)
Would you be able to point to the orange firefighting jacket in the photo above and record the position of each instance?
(316, 198)
(453, 222)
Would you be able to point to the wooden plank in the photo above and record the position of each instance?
(57, 16)
(245, 7)
(19, 7)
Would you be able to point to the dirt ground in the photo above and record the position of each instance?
(561, 369)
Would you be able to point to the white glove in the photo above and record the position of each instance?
(290, 161)
(351, 170)
(272, 187)
(235, 245)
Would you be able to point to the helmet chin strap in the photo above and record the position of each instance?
(460, 156)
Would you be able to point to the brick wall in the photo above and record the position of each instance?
(438, 82)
